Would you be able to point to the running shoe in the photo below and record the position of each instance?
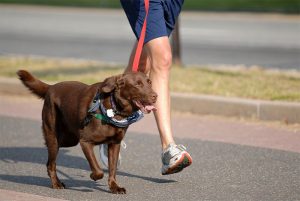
(174, 159)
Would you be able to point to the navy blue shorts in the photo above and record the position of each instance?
(161, 17)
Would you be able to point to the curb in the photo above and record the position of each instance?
(287, 112)
(237, 107)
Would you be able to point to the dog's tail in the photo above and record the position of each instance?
(36, 86)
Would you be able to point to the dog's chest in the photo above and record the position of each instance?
(98, 132)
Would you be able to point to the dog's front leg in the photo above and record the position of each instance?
(113, 154)
(97, 172)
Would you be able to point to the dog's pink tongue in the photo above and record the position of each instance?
(149, 108)
(145, 109)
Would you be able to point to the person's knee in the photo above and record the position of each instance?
(160, 54)
(166, 60)
(163, 61)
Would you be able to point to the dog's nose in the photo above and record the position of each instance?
(154, 97)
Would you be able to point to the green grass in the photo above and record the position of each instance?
(253, 83)
(247, 83)
(287, 6)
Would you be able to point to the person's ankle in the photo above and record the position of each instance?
(166, 145)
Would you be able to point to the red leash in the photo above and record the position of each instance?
(140, 45)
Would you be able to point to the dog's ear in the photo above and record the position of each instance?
(120, 82)
(110, 83)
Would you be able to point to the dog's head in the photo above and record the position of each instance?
(132, 91)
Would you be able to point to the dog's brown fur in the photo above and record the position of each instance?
(65, 107)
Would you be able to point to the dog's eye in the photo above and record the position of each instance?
(139, 83)
(149, 81)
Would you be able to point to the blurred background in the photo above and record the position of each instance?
(286, 6)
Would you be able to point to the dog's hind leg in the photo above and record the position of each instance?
(49, 129)
(87, 148)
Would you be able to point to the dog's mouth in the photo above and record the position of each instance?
(145, 108)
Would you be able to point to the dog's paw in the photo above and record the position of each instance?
(118, 190)
(96, 176)
(114, 188)
(59, 185)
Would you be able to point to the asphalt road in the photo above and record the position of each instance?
(207, 38)
(220, 171)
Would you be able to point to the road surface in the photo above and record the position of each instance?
(232, 160)
(267, 40)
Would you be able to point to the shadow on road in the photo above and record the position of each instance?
(38, 155)
(72, 184)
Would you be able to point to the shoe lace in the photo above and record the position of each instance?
(181, 147)
(175, 149)
(171, 152)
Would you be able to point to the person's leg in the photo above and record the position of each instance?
(160, 61)
(156, 59)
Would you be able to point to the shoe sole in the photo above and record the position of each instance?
(183, 162)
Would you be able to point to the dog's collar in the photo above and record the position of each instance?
(114, 106)
(107, 115)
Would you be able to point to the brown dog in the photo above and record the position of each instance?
(66, 120)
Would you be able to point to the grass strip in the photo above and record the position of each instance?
(237, 81)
